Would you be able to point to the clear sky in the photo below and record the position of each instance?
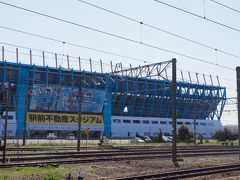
(146, 11)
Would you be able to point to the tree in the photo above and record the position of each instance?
(160, 139)
(224, 135)
(184, 134)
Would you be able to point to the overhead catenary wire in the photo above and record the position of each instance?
(116, 36)
(198, 16)
(48, 57)
(77, 45)
(84, 59)
(226, 6)
(72, 44)
(160, 29)
(221, 78)
(64, 55)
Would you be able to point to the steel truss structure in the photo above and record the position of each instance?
(149, 97)
(145, 91)
(156, 70)
(143, 97)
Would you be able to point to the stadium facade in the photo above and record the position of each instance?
(119, 104)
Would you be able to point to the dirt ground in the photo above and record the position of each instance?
(119, 169)
(111, 170)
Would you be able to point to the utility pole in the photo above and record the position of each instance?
(6, 91)
(194, 125)
(25, 119)
(238, 106)
(174, 113)
(79, 115)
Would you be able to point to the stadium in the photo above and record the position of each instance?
(118, 104)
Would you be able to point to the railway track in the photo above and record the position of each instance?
(117, 150)
(187, 173)
(36, 161)
(111, 152)
(34, 149)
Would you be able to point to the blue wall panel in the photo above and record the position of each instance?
(21, 97)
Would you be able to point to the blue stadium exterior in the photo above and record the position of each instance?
(142, 97)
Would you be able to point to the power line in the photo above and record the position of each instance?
(228, 7)
(72, 44)
(38, 50)
(84, 59)
(159, 29)
(73, 57)
(198, 16)
(225, 79)
(116, 36)
(187, 56)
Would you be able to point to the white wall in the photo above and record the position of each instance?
(124, 129)
(121, 129)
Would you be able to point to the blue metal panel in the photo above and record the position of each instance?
(203, 97)
(210, 96)
(169, 104)
(115, 89)
(179, 98)
(160, 110)
(222, 104)
(216, 97)
(60, 76)
(143, 97)
(84, 79)
(124, 96)
(134, 97)
(187, 101)
(196, 95)
(22, 92)
(33, 74)
(153, 98)
(107, 113)
(72, 78)
(46, 75)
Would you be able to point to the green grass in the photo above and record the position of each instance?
(90, 144)
(46, 173)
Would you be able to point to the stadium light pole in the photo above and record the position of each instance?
(238, 106)
(174, 113)
(79, 116)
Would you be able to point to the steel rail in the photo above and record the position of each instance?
(118, 147)
(107, 158)
(180, 174)
(122, 152)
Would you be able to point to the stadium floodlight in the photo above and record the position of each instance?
(125, 109)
